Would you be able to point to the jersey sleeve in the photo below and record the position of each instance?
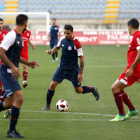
(59, 43)
(137, 42)
(78, 47)
(29, 34)
(8, 40)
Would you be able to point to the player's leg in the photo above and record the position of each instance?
(15, 112)
(0, 85)
(7, 104)
(117, 89)
(25, 75)
(56, 54)
(73, 77)
(86, 89)
(50, 94)
(56, 79)
(53, 55)
(132, 110)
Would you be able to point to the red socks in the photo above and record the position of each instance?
(25, 75)
(119, 102)
(127, 101)
(121, 97)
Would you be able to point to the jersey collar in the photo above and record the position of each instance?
(72, 38)
(136, 33)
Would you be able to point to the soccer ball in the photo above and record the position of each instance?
(62, 105)
(7, 113)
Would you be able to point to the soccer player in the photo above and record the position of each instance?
(53, 37)
(69, 68)
(130, 75)
(2, 35)
(24, 54)
(10, 50)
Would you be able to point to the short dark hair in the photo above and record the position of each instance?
(68, 27)
(134, 23)
(1, 19)
(21, 19)
(53, 18)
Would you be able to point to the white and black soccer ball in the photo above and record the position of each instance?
(62, 105)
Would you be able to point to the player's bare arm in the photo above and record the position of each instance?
(49, 35)
(54, 50)
(30, 43)
(130, 71)
(80, 75)
(31, 64)
(15, 70)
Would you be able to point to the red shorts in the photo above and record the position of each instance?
(0, 62)
(135, 76)
(24, 56)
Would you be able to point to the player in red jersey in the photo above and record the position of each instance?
(26, 40)
(2, 35)
(130, 75)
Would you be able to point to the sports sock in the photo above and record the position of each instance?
(127, 101)
(56, 54)
(53, 56)
(86, 89)
(14, 118)
(25, 75)
(1, 106)
(49, 96)
(119, 102)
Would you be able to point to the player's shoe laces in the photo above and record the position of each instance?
(95, 93)
(56, 60)
(47, 107)
(25, 84)
(14, 134)
(7, 113)
(118, 118)
(130, 114)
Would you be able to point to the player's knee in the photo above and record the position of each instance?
(78, 91)
(20, 100)
(53, 86)
(113, 87)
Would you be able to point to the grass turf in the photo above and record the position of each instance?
(86, 118)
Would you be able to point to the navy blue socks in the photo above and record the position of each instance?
(14, 118)
(86, 89)
(49, 96)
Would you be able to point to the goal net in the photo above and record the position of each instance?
(37, 21)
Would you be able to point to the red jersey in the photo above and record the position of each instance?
(25, 36)
(2, 35)
(132, 50)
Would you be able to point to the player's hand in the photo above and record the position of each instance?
(138, 81)
(80, 77)
(15, 72)
(49, 51)
(128, 73)
(33, 47)
(33, 64)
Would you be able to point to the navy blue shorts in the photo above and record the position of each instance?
(69, 74)
(10, 84)
(53, 43)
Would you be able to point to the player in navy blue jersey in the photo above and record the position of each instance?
(10, 50)
(69, 68)
(53, 37)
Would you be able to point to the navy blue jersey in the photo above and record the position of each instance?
(13, 45)
(71, 50)
(54, 30)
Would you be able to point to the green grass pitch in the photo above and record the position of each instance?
(86, 119)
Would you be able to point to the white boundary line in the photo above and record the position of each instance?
(70, 120)
(76, 113)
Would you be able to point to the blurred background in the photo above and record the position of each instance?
(93, 20)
